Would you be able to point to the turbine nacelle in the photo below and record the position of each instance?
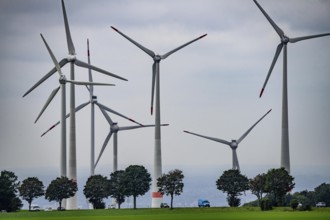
(94, 99)
(71, 58)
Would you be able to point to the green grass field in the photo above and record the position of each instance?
(179, 213)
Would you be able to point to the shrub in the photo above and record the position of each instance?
(266, 204)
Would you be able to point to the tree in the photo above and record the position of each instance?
(96, 189)
(257, 186)
(171, 184)
(233, 183)
(278, 183)
(322, 193)
(61, 188)
(30, 189)
(9, 200)
(118, 190)
(138, 181)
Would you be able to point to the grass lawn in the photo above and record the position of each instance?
(179, 213)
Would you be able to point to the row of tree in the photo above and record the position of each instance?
(271, 189)
(134, 181)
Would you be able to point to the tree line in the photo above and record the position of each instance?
(134, 181)
(271, 189)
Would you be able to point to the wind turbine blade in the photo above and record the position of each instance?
(149, 52)
(138, 126)
(153, 87)
(51, 72)
(277, 53)
(50, 128)
(294, 40)
(116, 113)
(130, 127)
(182, 46)
(67, 31)
(57, 65)
(106, 116)
(248, 131)
(91, 87)
(50, 98)
(67, 115)
(86, 65)
(88, 83)
(103, 147)
(277, 28)
(210, 138)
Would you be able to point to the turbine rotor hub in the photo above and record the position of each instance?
(285, 39)
(157, 58)
(234, 144)
(114, 127)
(62, 79)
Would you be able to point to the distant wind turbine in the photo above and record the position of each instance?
(62, 82)
(74, 61)
(285, 153)
(114, 129)
(93, 100)
(157, 197)
(232, 144)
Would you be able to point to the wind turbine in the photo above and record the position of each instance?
(114, 129)
(285, 153)
(157, 197)
(62, 82)
(74, 61)
(93, 100)
(233, 144)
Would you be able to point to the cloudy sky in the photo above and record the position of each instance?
(210, 87)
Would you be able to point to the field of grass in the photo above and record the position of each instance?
(179, 213)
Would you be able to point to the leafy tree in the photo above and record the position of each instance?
(171, 184)
(118, 190)
(9, 200)
(278, 183)
(30, 189)
(257, 186)
(96, 189)
(138, 181)
(322, 193)
(233, 183)
(61, 188)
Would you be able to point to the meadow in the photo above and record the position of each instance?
(179, 213)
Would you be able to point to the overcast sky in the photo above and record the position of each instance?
(210, 87)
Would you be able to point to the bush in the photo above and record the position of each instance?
(294, 204)
(304, 207)
(266, 204)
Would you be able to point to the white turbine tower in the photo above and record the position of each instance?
(114, 129)
(157, 197)
(232, 144)
(285, 153)
(92, 101)
(74, 61)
